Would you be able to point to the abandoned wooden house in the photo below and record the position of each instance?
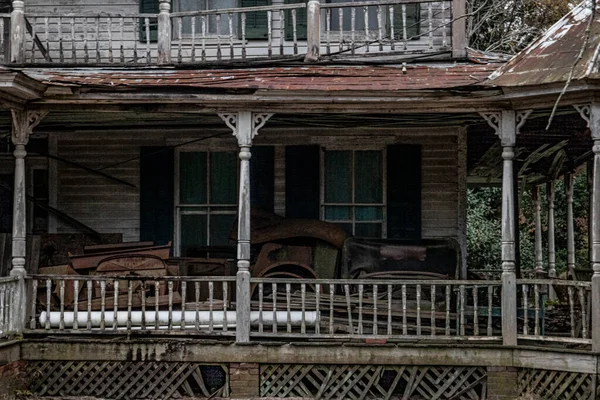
(254, 198)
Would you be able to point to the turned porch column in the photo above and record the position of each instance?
(569, 191)
(17, 32)
(507, 124)
(537, 208)
(23, 123)
(164, 32)
(591, 113)
(245, 126)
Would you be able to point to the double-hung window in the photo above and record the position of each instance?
(207, 199)
(353, 194)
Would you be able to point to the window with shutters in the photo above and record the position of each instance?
(353, 191)
(206, 202)
(409, 13)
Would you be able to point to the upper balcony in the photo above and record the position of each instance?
(173, 32)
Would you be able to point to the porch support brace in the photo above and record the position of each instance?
(537, 207)
(592, 115)
(245, 126)
(507, 124)
(17, 32)
(569, 191)
(550, 195)
(164, 32)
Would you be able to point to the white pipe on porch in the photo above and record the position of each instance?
(204, 318)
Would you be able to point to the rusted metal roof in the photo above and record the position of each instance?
(309, 78)
(551, 58)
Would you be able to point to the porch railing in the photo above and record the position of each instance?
(302, 29)
(9, 318)
(116, 304)
(548, 310)
(554, 310)
(399, 309)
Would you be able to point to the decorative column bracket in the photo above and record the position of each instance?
(585, 110)
(498, 119)
(241, 131)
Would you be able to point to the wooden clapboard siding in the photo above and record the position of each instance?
(104, 205)
(110, 207)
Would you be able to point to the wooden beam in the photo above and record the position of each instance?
(459, 29)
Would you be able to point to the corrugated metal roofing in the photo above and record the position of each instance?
(551, 58)
(310, 78)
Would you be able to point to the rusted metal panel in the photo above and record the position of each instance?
(551, 58)
(314, 78)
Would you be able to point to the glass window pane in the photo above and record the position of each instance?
(338, 177)
(338, 213)
(220, 229)
(369, 177)
(192, 172)
(223, 178)
(368, 230)
(193, 232)
(368, 213)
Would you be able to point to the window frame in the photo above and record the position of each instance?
(210, 209)
(353, 204)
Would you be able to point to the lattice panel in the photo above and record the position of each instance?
(128, 380)
(557, 385)
(372, 382)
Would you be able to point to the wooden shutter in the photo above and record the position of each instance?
(262, 178)
(302, 182)
(149, 7)
(404, 191)
(300, 22)
(413, 18)
(156, 194)
(256, 22)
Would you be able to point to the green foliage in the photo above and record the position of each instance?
(484, 226)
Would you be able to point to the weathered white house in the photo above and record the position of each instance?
(171, 120)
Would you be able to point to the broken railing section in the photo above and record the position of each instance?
(419, 309)
(104, 304)
(554, 311)
(304, 29)
(9, 307)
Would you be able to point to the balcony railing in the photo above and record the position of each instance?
(300, 30)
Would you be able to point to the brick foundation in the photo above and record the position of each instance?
(12, 379)
(502, 383)
(244, 380)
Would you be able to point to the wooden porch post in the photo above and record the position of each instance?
(313, 31)
(569, 191)
(550, 194)
(23, 123)
(459, 29)
(591, 113)
(245, 126)
(17, 32)
(164, 32)
(507, 124)
(537, 206)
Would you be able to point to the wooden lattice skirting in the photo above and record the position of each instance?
(372, 382)
(128, 380)
(557, 385)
